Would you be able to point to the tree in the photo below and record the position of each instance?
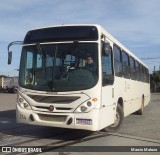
(155, 78)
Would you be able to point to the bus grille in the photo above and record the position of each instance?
(52, 118)
(54, 99)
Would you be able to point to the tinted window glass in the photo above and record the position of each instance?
(137, 71)
(64, 33)
(147, 73)
(117, 61)
(107, 69)
(132, 69)
(125, 63)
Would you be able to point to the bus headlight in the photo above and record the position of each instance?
(83, 108)
(25, 105)
(89, 104)
(20, 100)
(22, 103)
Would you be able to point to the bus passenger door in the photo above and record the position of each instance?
(107, 113)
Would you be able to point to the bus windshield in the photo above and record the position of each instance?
(59, 67)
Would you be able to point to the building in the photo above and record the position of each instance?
(9, 82)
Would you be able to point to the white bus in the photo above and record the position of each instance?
(58, 89)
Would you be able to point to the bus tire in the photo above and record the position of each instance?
(140, 111)
(119, 119)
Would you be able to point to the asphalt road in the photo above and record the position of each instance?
(136, 131)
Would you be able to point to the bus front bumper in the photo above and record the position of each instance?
(85, 121)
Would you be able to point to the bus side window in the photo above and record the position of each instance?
(148, 76)
(145, 74)
(132, 68)
(140, 70)
(107, 69)
(125, 65)
(142, 79)
(117, 61)
(137, 71)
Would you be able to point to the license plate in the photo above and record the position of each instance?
(83, 121)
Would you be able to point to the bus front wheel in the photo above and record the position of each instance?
(118, 121)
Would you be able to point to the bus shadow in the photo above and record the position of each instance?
(8, 126)
(8, 113)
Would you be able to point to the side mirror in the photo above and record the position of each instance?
(10, 52)
(9, 57)
(106, 49)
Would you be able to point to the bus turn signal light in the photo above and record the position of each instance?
(94, 99)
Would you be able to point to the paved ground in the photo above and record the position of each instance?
(136, 131)
(147, 125)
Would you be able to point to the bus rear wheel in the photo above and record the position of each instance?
(119, 119)
(140, 111)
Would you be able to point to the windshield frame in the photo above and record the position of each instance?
(57, 44)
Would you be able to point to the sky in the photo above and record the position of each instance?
(135, 23)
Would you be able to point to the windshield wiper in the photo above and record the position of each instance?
(40, 51)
